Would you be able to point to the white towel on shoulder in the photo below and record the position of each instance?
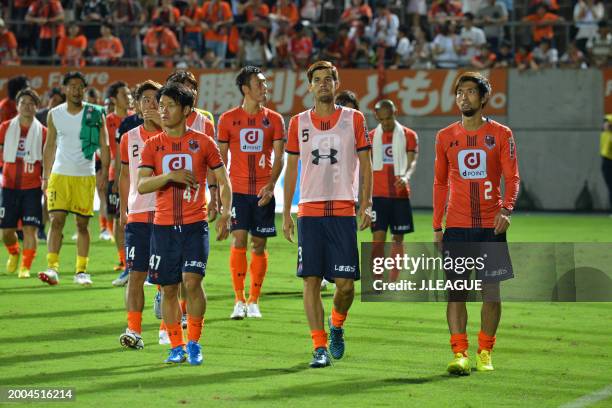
(400, 158)
(33, 144)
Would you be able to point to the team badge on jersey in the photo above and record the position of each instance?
(472, 164)
(251, 140)
(194, 146)
(489, 141)
(172, 162)
(265, 122)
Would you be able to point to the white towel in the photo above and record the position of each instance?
(400, 158)
(33, 144)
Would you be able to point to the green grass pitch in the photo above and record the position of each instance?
(547, 354)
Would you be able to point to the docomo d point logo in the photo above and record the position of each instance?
(388, 153)
(472, 163)
(172, 162)
(251, 140)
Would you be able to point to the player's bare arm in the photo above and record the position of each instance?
(289, 191)
(49, 151)
(124, 191)
(148, 183)
(365, 206)
(267, 192)
(104, 154)
(225, 192)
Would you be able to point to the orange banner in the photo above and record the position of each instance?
(607, 78)
(416, 93)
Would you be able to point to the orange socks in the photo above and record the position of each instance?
(459, 343)
(337, 318)
(259, 266)
(28, 258)
(103, 222)
(485, 342)
(194, 328)
(238, 268)
(109, 225)
(13, 249)
(135, 321)
(162, 326)
(175, 332)
(319, 338)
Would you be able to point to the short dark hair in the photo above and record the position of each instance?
(244, 76)
(469, 16)
(16, 84)
(56, 91)
(93, 93)
(113, 89)
(321, 65)
(148, 85)
(107, 24)
(345, 97)
(484, 86)
(28, 92)
(177, 92)
(183, 77)
(74, 74)
(385, 104)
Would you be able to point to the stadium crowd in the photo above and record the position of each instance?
(418, 34)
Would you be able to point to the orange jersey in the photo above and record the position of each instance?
(124, 153)
(110, 48)
(471, 164)
(195, 14)
(384, 180)
(21, 175)
(209, 127)
(540, 32)
(213, 13)
(250, 139)
(335, 208)
(71, 50)
(195, 151)
(113, 121)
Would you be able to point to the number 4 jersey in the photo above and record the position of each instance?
(194, 151)
(471, 164)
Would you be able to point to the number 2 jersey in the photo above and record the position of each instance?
(471, 164)
(177, 204)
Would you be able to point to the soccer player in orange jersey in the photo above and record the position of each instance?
(136, 213)
(332, 144)
(250, 133)
(472, 155)
(394, 159)
(174, 163)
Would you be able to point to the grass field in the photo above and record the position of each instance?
(66, 336)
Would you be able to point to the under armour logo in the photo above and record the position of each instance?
(158, 148)
(454, 143)
(331, 156)
(235, 123)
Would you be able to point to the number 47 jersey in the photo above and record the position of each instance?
(177, 204)
(471, 164)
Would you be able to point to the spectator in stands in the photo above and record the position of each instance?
(505, 56)
(340, 50)
(416, 11)
(587, 13)
(191, 21)
(300, 48)
(492, 15)
(160, 45)
(545, 55)
(383, 32)
(485, 59)
(446, 46)
(127, 16)
(54, 97)
(281, 51)
(442, 11)
(523, 59)
(600, 47)
(404, 49)
(251, 48)
(71, 49)
(573, 57)
(471, 6)
(311, 10)
(167, 13)
(256, 12)
(94, 12)
(211, 61)
(286, 11)
(551, 5)
(472, 38)
(216, 20)
(353, 13)
(8, 106)
(189, 58)
(48, 15)
(422, 58)
(542, 21)
(22, 32)
(8, 46)
(108, 49)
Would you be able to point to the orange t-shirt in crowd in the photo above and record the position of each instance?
(384, 180)
(262, 11)
(8, 42)
(523, 58)
(162, 41)
(290, 12)
(539, 33)
(195, 14)
(49, 10)
(21, 175)
(214, 13)
(163, 14)
(110, 48)
(250, 139)
(195, 151)
(335, 208)
(470, 164)
(71, 50)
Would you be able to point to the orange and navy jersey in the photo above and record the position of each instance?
(194, 151)
(113, 121)
(471, 164)
(250, 139)
(125, 152)
(334, 208)
(384, 180)
(21, 175)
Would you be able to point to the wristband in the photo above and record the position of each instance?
(437, 229)
(212, 186)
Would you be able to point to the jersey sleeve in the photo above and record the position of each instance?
(209, 127)
(223, 132)
(213, 155)
(3, 129)
(440, 184)
(147, 157)
(279, 128)
(123, 149)
(293, 145)
(509, 164)
(362, 138)
(412, 141)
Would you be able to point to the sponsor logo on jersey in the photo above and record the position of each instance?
(251, 140)
(489, 141)
(172, 162)
(387, 153)
(472, 164)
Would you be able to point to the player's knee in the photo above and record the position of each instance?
(239, 242)
(397, 238)
(345, 290)
(170, 292)
(137, 278)
(192, 285)
(258, 245)
(57, 221)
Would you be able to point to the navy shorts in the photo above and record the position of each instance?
(176, 249)
(481, 244)
(24, 205)
(112, 201)
(393, 213)
(248, 216)
(138, 246)
(327, 247)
